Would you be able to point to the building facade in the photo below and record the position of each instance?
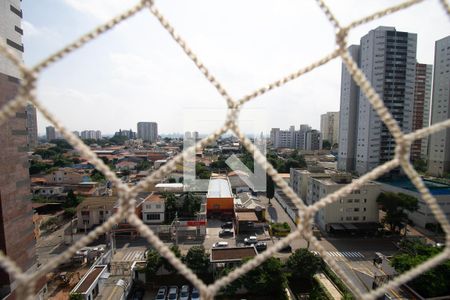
(147, 131)
(439, 151)
(348, 116)
(360, 206)
(50, 133)
(91, 135)
(421, 112)
(32, 129)
(329, 127)
(304, 139)
(17, 239)
(153, 209)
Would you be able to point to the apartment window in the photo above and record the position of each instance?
(348, 218)
(356, 209)
(364, 218)
(356, 200)
(14, 45)
(350, 201)
(355, 218)
(153, 217)
(16, 11)
(18, 29)
(364, 209)
(365, 200)
(148, 206)
(158, 205)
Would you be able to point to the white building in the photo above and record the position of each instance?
(358, 207)
(299, 178)
(388, 59)
(329, 127)
(348, 116)
(304, 139)
(91, 135)
(439, 151)
(147, 131)
(153, 209)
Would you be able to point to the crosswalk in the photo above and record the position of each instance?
(344, 255)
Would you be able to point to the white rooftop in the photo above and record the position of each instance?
(219, 188)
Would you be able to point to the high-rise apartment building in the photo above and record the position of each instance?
(296, 139)
(421, 111)
(348, 116)
(329, 127)
(91, 135)
(388, 59)
(31, 126)
(147, 131)
(439, 151)
(50, 133)
(17, 239)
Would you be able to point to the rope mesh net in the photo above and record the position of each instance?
(27, 92)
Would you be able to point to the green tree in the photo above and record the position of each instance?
(395, 205)
(167, 265)
(143, 165)
(72, 200)
(202, 171)
(434, 282)
(302, 265)
(420, 165)
(326, 145)
(197, 260)
(270, 187)
(267, 279)
(172, 180)
(171, 206)
(76, 296)
(191, 205)
(154, 262)
(97, 176)
(37, 167)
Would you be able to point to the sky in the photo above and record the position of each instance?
(136, 72)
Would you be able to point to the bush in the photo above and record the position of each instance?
(280, 229)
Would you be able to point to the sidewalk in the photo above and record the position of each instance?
(329, 286)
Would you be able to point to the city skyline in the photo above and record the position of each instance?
(174, 84)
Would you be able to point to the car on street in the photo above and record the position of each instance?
(227, 225)
(286, 248)
(162, 293)
(226, 232)
(220, 245)
(261, 246)
(195, 294)
(173, 293)
(184, 292)
(250, 240)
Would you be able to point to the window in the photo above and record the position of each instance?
(348, 218)
(350, 201)
(364, 218)
(152, 217)
(356, 200)
(356, 209)
(355, 218)
(158, 205)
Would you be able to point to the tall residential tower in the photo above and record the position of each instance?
(147, 131)
(439, 152)
(17, 238)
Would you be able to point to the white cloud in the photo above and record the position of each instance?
(100, 9)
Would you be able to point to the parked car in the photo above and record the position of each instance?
(184, 292)
(220, 245)
(162, 293)
(195, 294)
(173, 293)
(250, 240)
(226, 232)
(286, 248)
(227, 225)
(261, 246)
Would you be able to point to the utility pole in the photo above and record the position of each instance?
(176, 228)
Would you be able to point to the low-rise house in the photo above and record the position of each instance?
(126, 165)
(153, 209)
(92, 283)
(229, 257)
(48, 191)
(66, 176)
(93, 211)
